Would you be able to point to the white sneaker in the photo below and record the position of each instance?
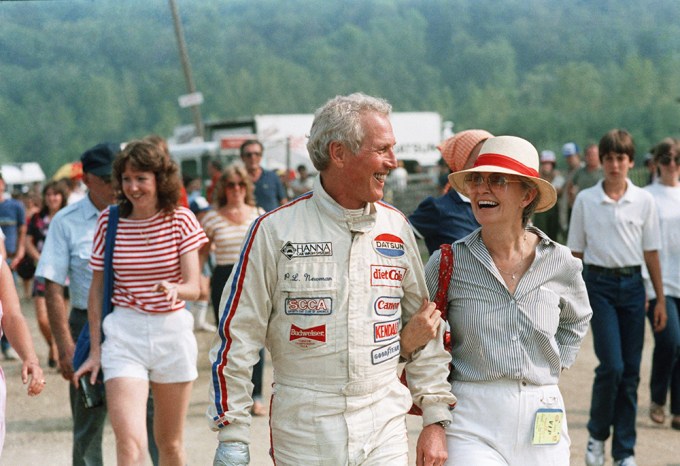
(595, 453)
(630, 461)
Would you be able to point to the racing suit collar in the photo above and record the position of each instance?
(357, 223)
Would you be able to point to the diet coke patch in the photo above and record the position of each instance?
(389, 245)
(306, 338)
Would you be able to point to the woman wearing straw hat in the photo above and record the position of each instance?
(518, 310)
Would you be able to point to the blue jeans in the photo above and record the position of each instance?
(666, 357)
(618, 326)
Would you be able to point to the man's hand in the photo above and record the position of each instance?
(431, 449)
(66, 360)
(660, 316)
(420, 329)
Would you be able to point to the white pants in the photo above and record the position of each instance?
(324, 429)
(493, 424)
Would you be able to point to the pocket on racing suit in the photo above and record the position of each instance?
(307, 304)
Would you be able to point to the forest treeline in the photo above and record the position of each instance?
(73, 73)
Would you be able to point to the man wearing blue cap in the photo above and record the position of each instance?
(66, 254)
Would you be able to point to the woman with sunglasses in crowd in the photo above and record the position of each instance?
(666, 357)
(226, 227)
(518, 311)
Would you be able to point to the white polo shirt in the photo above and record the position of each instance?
(613, 233)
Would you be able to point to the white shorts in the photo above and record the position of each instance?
(493, 424)
(157, 347)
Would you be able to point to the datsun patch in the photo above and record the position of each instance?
(389, 245)
(385, 331)
(385, 353)
(387, 275)
(387, 305)
(321, 306)
(306, 338)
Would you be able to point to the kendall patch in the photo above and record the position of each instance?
(291, 250)
(383, 331)
(385, 353)
(309, 306)
(306, 338)
(389, 245)
(387, 305)
(386, 275)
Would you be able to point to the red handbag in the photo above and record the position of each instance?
(441, 301)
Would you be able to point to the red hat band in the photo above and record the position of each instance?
(503, 161)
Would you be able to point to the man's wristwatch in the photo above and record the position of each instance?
(444, 424)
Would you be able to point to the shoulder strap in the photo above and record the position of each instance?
(108, 259)
(445, 271)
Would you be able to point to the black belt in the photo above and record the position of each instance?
(615, 272)
(79, 309)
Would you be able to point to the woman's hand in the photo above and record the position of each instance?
(170, 290)
(32, 374)
(420, 329)
(92, 365)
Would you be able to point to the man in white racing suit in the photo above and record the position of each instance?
(326, 282)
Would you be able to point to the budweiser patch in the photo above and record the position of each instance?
(306, 338)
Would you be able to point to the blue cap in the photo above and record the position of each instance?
(569, 149)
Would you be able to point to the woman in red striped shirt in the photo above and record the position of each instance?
(149, 335)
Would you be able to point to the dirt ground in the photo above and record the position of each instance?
(39, 429)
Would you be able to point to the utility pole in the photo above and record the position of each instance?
(186, 67)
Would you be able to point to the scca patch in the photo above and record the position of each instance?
(387, 305)
(386, 275)
(307, 338)
(384, 331)
(389, 245)
(291, 250)
(309, 306)
(385, 353)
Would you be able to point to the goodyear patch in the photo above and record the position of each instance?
(385, 353)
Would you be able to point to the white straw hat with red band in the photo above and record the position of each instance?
(513, 156)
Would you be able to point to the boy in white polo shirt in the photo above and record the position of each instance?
(614, 228)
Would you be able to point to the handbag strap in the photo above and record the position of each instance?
(445, 271)
(108, 260)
